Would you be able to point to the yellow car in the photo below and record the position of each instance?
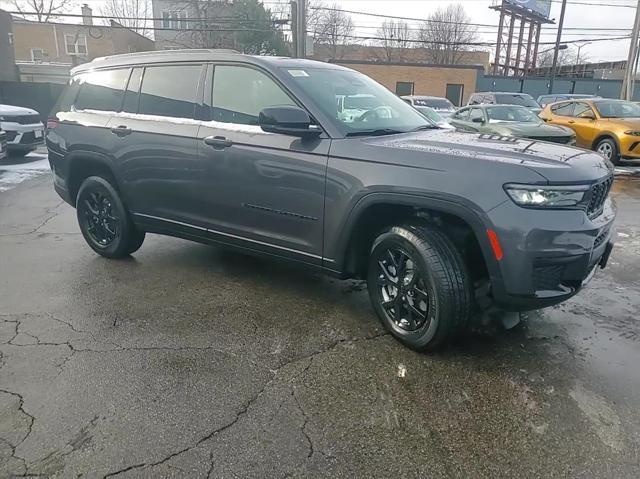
(610, 127)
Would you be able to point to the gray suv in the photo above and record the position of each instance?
(254, 153)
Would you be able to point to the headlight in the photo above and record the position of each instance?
(632, 132)
(547, 196)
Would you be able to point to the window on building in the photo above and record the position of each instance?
(37, 54)
(240, 93)
(169, 90)
(102, 90)
(75, 44)
(174, 19)
(404, 88)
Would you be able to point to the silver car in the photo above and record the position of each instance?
(23, 128)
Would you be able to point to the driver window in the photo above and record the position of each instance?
(476, 113)
(462, 115)
(580, 109)
(240, 93)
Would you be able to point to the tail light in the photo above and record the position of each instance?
(52, 123)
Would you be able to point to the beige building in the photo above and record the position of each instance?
(72, 44)
(370, 53)
(455, 82)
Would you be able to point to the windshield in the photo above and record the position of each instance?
(511, 113)
(617, 109)
(430, 113)
(356, 103)
(516, 99)
(437, 103)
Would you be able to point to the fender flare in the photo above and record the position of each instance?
(87, 155)
(477, 220)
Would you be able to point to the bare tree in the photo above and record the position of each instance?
(565, 57)
(332, 27)
(42, 10)
(394, 38)
(447, 34)
(129, 13)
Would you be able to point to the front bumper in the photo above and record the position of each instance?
(23, 137)
(629, 146)
(549, 263)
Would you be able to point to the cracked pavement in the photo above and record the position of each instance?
(190, 361)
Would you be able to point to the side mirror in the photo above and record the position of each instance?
(288, 120)
(478, 120)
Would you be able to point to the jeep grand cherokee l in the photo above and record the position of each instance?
(253, 153)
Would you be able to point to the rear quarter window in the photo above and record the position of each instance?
(170, 90)
(102, 90)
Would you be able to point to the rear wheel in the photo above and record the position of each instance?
(609, 149)
(104, 221)
(418, 285)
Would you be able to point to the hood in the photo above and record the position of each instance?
(533, 129)
(555, 162)
(16, 110)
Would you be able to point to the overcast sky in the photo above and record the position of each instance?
(593, 15)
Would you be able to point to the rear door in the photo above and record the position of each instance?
(155, 143)
(560, 113)
(265, 191)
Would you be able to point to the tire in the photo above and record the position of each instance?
(434, 281)
(609, 149)
(104, 221)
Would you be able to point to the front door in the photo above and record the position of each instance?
(265, 191)
(584, 123)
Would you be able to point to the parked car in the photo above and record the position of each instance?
(444, 226)
(24, 130)
(3, 145)
(505, 98)
(610, 127)
(441, 105)
(544, 100)
(510, 120)
(434, 116)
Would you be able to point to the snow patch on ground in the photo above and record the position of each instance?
(12, 175)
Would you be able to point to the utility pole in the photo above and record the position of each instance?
(557, 49)
(627, 84)
(302, 28)
(294, 29)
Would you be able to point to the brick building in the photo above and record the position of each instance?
(456, 82)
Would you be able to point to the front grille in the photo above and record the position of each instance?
(11, 135)
(553, 139)
(23, 119)
(29, 138)
(547, 278)
(598, 196)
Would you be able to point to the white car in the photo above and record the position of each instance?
(24, 130)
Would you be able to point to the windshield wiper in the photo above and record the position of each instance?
(426, 127)
(378, 132)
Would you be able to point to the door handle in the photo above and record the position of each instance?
(218, 142)
(121, 130)
(571, 122)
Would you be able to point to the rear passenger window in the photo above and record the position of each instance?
(102, 90)
(563, 109)
(130, 104)
(240, 93)
(169, 90)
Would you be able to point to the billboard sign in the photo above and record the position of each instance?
(542, 7)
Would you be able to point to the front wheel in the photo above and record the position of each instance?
(418, 285)
(609, 149)
(104, 221)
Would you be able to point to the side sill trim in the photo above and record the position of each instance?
(229, 235)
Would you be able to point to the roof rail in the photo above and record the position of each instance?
(160, 52)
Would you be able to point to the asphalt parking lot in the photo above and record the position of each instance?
(189, 361)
